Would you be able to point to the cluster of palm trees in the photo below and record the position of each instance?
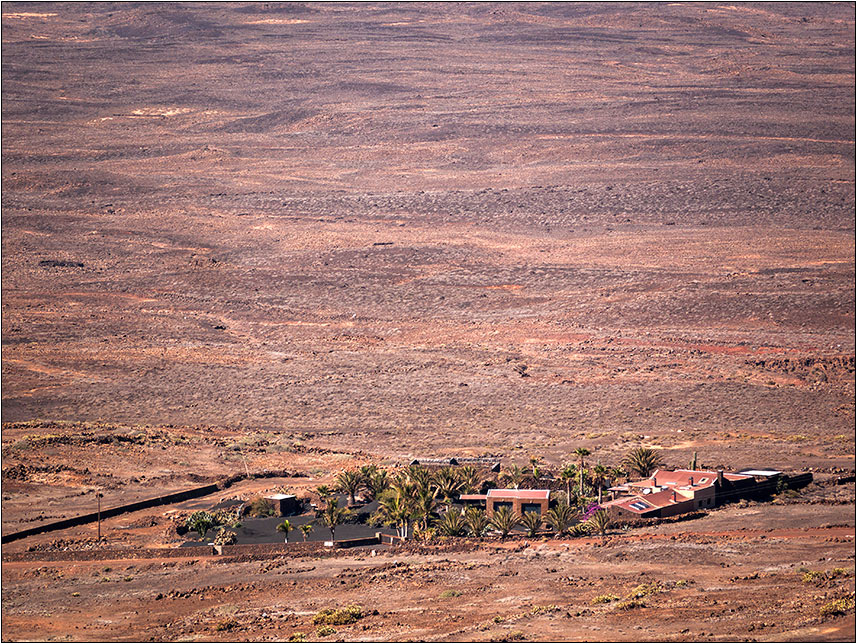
(420, 500)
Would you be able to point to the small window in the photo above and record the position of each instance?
(701, 481)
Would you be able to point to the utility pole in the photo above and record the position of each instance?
(98, 496)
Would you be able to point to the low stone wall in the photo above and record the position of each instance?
(100, 554)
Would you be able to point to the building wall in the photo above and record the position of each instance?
(517, 505)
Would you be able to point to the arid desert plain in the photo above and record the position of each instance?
(279, 242)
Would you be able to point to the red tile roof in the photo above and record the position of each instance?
(538, 495)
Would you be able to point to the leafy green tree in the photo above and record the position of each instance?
(200, 522)
(600, 522)
(477, 521)
(349, 482)
(582, 453)
(532, 521)
(306, 529)
(331, 516)
(559, 518)
(452, 524)
(504, 521)
(642, 460)
(285, 527)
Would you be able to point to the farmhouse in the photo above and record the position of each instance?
(667, 493)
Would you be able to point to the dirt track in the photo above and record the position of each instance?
(315, 236)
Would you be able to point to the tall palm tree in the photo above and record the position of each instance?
(332, 516)
(581, 452)
(349, 482)
(446, 484)
(468, 479)
(285, 526)
(559, 518)
(424, 506)
(397, 508)
(567, 475)
(418, 475)
(452, 524)
(515, 475)
(599, 473)
(532, 521)
(305, 529)
(477, 521)
(504, 521)
(643, 461)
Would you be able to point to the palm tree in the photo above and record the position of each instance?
(324, 492)
(534, 463)
(532, 521)
(305, 529)
(559, 518)
(643, 461)
(452, 524)
(567, 475)
(350, 482)
(600, 521)
(468, 479)
(477, 521)
(599, 473)
(397, 508)
(504, 521)
(418, 475)
(582, 452)
(332, 516)
(376, 483)
(515, 475)
(616, 473)
(285, 526)
(424, 506)
(446, 484)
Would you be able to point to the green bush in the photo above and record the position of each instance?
(297, 636)
(446, 594)
(338, 616)
(644, 590)
(324, 630)
(628, 604)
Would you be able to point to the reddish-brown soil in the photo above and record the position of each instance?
(307, 237)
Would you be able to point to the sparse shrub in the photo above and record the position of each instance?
(260, 507)
(498, 619)
(681, 583)
(644, 590)
(629, 604)
(840, 606)
(544, 610)
(513, 636)
(338, 616)
(446, 594)
(225, 537)
(821, 577)
(605, 599)
(324, 630)
(297, 636)
(75, 594)
(226, 625)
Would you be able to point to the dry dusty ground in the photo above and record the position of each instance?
(313, 236)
